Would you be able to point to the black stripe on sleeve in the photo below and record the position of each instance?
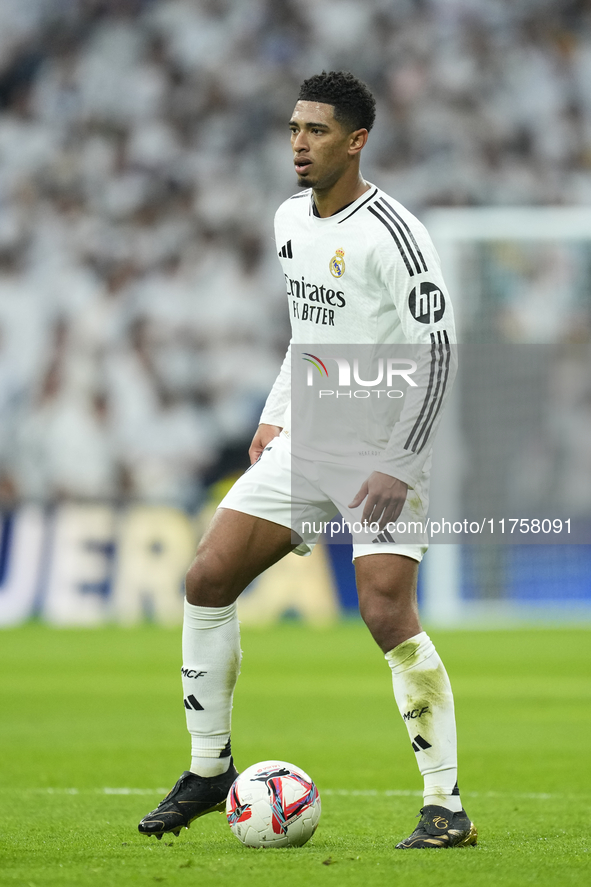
(420, 439)
(408, 444)
(386, 210)
(411, 235)
(428, 426)
(372, 210)
(403, 236)
(440, 362)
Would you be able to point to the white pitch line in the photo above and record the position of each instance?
(388, 793)
(340, 792)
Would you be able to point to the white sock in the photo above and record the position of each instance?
(423, 693)
(211, 665)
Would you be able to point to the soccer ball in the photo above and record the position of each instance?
(273, 804)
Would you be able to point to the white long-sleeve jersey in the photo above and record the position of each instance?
(369, 275)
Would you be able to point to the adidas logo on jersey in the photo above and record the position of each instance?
(285, 251)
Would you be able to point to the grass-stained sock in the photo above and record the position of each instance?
(423, 693)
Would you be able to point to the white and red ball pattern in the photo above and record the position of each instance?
(273, 804)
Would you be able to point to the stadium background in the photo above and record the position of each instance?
(143, 152)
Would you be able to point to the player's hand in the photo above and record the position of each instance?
(264, 435)
(385, 497)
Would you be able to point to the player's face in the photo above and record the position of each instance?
(321, 145)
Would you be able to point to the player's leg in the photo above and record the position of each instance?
(387, 590)
(386, 585)
(236, 548)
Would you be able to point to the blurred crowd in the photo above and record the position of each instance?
(143, 151)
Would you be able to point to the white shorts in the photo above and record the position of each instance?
(312, 498)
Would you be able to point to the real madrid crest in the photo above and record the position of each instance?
(337, 263)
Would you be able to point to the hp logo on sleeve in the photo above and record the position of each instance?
(429, 305)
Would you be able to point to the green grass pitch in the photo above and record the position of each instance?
(92, 729)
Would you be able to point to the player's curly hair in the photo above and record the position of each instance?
(354, 105)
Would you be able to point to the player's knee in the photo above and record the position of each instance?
(380, 588)
(389, 622)
(382, 599)
(370, 610)
(207, 584)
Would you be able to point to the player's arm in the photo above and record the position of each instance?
(273, 416)
(426, 315)
(433, 334)
(263, 436)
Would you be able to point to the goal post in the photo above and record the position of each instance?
(520, 278)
